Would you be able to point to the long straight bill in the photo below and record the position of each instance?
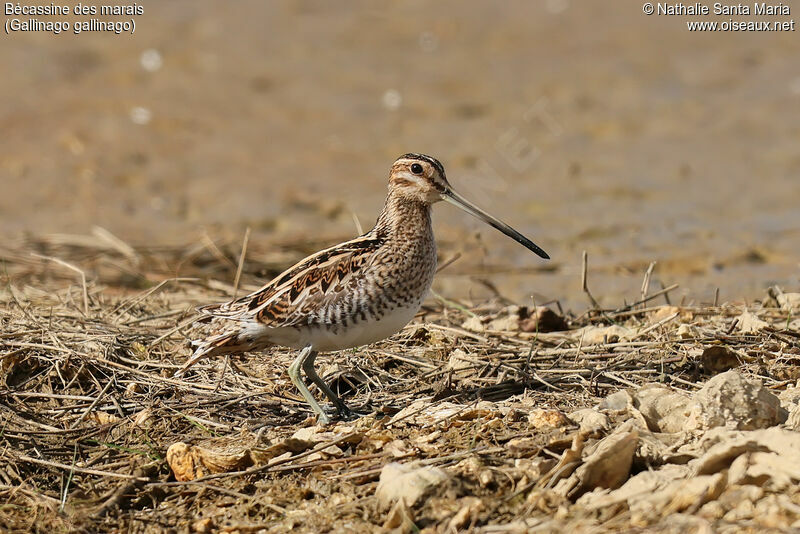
(457, 200)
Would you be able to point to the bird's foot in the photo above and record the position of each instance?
(323, 419)
(348, 414)
(340, 413)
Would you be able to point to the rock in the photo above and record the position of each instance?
(619, 401)
(203, 526)
(622, 402)
(400, 518)
(542, 418)
(688, 493)
(764, 469)
(459, 361)
(640, 486)
(662, 313)
(144, 418)
(598, 335)
(508, 321)
(468, 513)
(789, 301)
(686, 331)
(189, 462)
(404, 481)
(793, 421)
(790, 397)
(730, 401)
(718, 359)
(664, 410)
(608, 466)
(590, 421)
(473, 324)
(749, 323)
(768, 457)
(543, 320)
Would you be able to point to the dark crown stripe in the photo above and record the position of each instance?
(423, 157)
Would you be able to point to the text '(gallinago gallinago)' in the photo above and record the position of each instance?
(352, 294)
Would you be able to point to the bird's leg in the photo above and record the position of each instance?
(308, 367)
(294, 374)
(198, 355)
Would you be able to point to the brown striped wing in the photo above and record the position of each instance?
(314, 283)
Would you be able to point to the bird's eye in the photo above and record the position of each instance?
(416, 168)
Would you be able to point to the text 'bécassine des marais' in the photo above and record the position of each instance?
(721, 8)
(78, 9)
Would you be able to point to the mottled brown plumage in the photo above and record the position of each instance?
(349, 295)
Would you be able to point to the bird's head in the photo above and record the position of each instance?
(421, 178)
(418, 177)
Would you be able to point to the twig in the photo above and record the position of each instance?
(118, 244)
(241, 262)
(585, 282)
(652, 327)
(357, 223)
(629, 307)
(93, 404)
(72, 268)
(646, 281)
(445, 264)
(82, 470)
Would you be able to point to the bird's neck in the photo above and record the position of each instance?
(402, 216)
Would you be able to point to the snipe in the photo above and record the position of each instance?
(352, 294)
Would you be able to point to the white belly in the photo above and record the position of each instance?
(355, 335)
(361, 333)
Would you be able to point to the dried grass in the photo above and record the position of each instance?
(88, 405)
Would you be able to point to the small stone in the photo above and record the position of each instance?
(543, 320)
(203, 526)
(459, 361)
(506, 323)
(662, 313)
(609, 465)
(590, 421)
(621, 400)
(400, 517)
(600, 335)
(542, 418)
(686, 331)
(664, 410)
(473, 324)
(718, 359)
(470, 508)
(793, 421)
(730, 401)
(789, 301)
(142, 418)
(132, 389)
(749, 323)
(402, 481)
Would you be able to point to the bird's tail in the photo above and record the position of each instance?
(220, 344)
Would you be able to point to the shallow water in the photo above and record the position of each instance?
(587, 127)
